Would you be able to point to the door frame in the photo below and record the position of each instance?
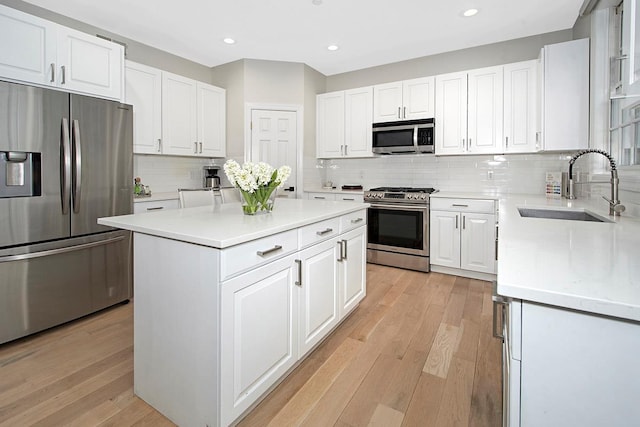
(299, 110)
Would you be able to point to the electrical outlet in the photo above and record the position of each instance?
(490, 175)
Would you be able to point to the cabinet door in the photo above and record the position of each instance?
(143, 90)
(520, 81)
(318, 296)
(451, 113)
(353, 270)
(28, 50)
(254, 306)
(211, 120)
(485, 106)
(358, 122)
(478, 242)
(387, 102)
(330, 125)
(445, 238)
(89, 64)
(418, 98)
(179, 116)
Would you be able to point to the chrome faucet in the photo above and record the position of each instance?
(615, 207)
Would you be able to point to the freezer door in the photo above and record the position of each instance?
(102, 162)
(32, 121)
(49, 284)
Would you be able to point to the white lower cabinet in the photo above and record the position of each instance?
(156, 205)
(258, 334)
(359, 197)
(272, 316)
(463, 234)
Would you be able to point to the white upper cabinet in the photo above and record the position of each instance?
(564, 96)
(484, 110)
(211, 131)
(179, 119)
(451, 113)
(520, 80)
(143, 90)
(344, 123)
(404, 100)
(48, 54)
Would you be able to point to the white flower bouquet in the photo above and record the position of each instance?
(257, 183)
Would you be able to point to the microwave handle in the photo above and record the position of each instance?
(415, 139)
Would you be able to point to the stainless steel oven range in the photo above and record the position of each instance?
(398, 227)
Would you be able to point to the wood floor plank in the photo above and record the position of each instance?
(383, 416)
(399, 390)
(441, 351)
(425, 402)
(467, 347)
(456, 399)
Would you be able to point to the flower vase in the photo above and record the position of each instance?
(259, 202)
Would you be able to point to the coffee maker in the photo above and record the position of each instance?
(210, 177)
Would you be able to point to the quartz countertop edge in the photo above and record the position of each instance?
(224, 225)
(585, 266)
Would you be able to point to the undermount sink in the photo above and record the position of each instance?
(566, 214)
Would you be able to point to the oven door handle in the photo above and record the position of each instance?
(398, 207)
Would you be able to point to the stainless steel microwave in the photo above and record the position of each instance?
(405, 137)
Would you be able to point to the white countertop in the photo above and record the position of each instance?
(157, 197)
(587, 266)
(225, 225)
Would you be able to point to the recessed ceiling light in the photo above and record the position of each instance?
(470, 12)
(316, 2)
(229, 40)
(333, 47)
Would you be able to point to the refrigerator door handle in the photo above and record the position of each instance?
(65, 166)
(50, 252)
(77, 166)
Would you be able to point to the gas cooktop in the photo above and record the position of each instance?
(407, 195)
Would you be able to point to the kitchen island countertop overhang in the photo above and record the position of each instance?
(224, 225)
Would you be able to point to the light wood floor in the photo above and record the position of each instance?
(417, 352)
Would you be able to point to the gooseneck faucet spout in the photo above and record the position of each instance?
(615, 207)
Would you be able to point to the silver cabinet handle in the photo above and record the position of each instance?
(357, 220)
(469, 145)
(159, 145)
(464, 222)
(268, 251)
(53, 73)
(323, 232)
(349, 198)
(76, 183)
(340, 257)
(319, 197)
(497, 228)
(195, 151)
(456, 222)
(345, 149)
(343, 247)
(459, 206)
(464, 144)
(498, 304)
(64, 77)
(399, 112)
(157, 208)
(201, 148)
(299, 281)
(404, 113)
(506, 142)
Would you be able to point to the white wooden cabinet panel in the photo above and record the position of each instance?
(419, 98)
(211, 131)
(320, 196)
(89, 64)
(179, 118)
(358, 122)
(520, 80)
(254, 306)
(158, 205)
(445, 238)
(353, 220)
(28, 51)
(318, 293)
(350, 197)
(387, 101)
(143, 90)
(451, 113)
(478, 242)
(352, 270)
(330, 125)
(319, 231)
(484, 110)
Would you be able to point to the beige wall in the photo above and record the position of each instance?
(135, 51)
(231, 76)
(477, 57)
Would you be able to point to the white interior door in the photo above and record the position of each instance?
(274, 141)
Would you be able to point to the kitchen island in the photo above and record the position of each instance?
(227, 304)
(571, 293)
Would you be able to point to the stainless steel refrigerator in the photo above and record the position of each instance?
(65, 160)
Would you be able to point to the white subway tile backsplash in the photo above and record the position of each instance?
(168, 173)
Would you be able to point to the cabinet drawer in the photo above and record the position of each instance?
(321, 196)
(463, 205)
(245, 256)
(353, 220)
(318, 231)
(139, 207)
(350, 197)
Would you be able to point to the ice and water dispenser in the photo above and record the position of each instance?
(19, 174)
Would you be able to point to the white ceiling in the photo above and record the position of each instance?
(369, 32)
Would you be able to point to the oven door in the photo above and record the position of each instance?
(402, 229)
